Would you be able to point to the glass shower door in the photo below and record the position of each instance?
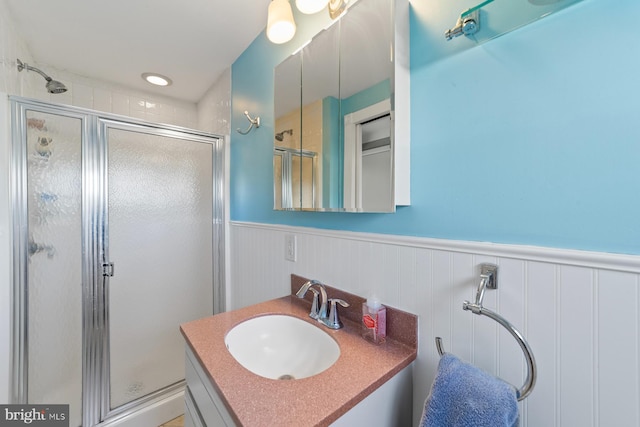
(117, 227)
(51, 289)
(159, 237)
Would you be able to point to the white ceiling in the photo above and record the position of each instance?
(190, 41)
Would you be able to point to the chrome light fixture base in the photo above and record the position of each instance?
(336, 7)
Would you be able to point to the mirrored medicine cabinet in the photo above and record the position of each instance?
(341, 138)
(341, 103)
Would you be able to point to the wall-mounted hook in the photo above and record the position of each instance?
(253, 122)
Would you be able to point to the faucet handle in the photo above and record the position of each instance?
(314, 305)
(333, 321)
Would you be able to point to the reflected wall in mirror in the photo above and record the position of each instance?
(346, 98)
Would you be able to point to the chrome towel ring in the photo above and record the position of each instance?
(489, 279)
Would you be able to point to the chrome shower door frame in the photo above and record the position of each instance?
(95, 327)
(287, 177)
(109, 414)
(20, 261)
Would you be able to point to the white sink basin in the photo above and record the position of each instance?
(282, 347)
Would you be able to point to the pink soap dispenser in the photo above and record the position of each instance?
(374, 321)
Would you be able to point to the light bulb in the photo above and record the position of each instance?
(311, 6)
(157, 79)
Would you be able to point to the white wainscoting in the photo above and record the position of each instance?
(578, 310)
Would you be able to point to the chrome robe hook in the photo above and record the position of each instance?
(253, 122)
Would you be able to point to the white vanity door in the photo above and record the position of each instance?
(207, 408)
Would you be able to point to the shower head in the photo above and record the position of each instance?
(53, 86)
(280, 135)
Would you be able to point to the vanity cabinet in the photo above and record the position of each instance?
(388, 406)
(203, 406)
(367, 385)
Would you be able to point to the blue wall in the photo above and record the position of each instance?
(532, 138)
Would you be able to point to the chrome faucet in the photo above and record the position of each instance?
(315, 313)
(330, 320)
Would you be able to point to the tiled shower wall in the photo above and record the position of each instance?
(11, 47)
(579, 311)
(83, 91)
(214, 108)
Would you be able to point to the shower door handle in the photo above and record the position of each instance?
(107, 269)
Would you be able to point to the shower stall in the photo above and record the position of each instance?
(118, 239)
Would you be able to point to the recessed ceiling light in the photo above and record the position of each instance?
(157, 79)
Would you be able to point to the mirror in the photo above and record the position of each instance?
(321, 117)
(334, 144)
(286, 152)
(365, 100)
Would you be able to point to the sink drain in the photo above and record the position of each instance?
(286, 377)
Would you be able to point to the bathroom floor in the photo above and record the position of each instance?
(176, 422)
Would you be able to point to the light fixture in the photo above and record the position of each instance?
(336, 7)
(157, 79)
(311, 6)
(280, 24)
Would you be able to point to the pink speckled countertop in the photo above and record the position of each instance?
(319, 400)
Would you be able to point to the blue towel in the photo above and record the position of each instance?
(465, 396)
